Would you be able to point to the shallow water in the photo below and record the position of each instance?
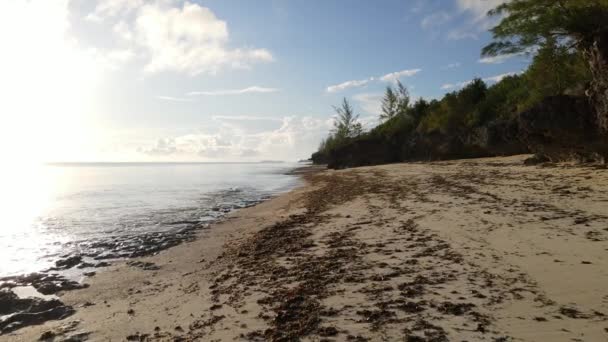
(57, 209)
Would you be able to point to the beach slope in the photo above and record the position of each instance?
(476, 250)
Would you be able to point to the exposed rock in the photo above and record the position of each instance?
(137, 245)
(562, 128)
(21, 312)
(53, 287)
(69, 262)
(45, 283)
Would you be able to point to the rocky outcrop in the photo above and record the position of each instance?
(563, 128)
(46, 284)
(21, 312)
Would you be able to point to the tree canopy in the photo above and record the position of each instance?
(346, 124)
(529, 23)
(395, 102)
(569, 41)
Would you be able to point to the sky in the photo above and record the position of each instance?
(221, 80)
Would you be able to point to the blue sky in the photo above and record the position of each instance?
(222, 80)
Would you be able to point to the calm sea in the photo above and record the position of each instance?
(56, 209)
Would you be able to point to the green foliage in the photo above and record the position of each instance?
(419, 109)
(395, 102)
(529, 23)
(558, 32)
(403, 99)
(504, 100)
(554, 70)
(346, 128)
(346, 125)
(389, 105)
(456, 111)
(396, 125)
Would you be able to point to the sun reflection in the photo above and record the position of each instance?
(27, 194)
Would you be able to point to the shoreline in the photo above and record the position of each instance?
(470, 249)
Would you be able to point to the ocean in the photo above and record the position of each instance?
(105, 211)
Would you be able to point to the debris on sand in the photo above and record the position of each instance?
(146, 266)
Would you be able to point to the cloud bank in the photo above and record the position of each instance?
(286, 138)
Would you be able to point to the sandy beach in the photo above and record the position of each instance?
(475, 250)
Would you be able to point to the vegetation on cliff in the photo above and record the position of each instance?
(569, 70)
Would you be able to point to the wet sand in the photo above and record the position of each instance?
(476, 250)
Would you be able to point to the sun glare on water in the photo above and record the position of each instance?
(46, 82)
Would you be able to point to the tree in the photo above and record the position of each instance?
(577, 24)
(403, 99)
(419, 109)
(395, 102)
(555, 70)
(346, 125)
(389, 105)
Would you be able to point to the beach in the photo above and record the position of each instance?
(477, 250)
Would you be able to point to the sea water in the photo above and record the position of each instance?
(56, 209)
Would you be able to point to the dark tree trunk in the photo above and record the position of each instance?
(597, 55)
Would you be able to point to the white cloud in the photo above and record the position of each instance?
(163, 147)
(478, 8)
(418, 6)
(498, 78)
(478, 21)
(123, 30)
(463, 33)
(394, 76)
(174, 36)
(287, 138)
(112, 8)
(246, 118)
(391, 77)
(348, 85)
(249, 90)
(500, 58)
(435, 20)
(451, 66)
(369, 102)
(190, 39)
(174, 99)
(490, 79)
(448, 86)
